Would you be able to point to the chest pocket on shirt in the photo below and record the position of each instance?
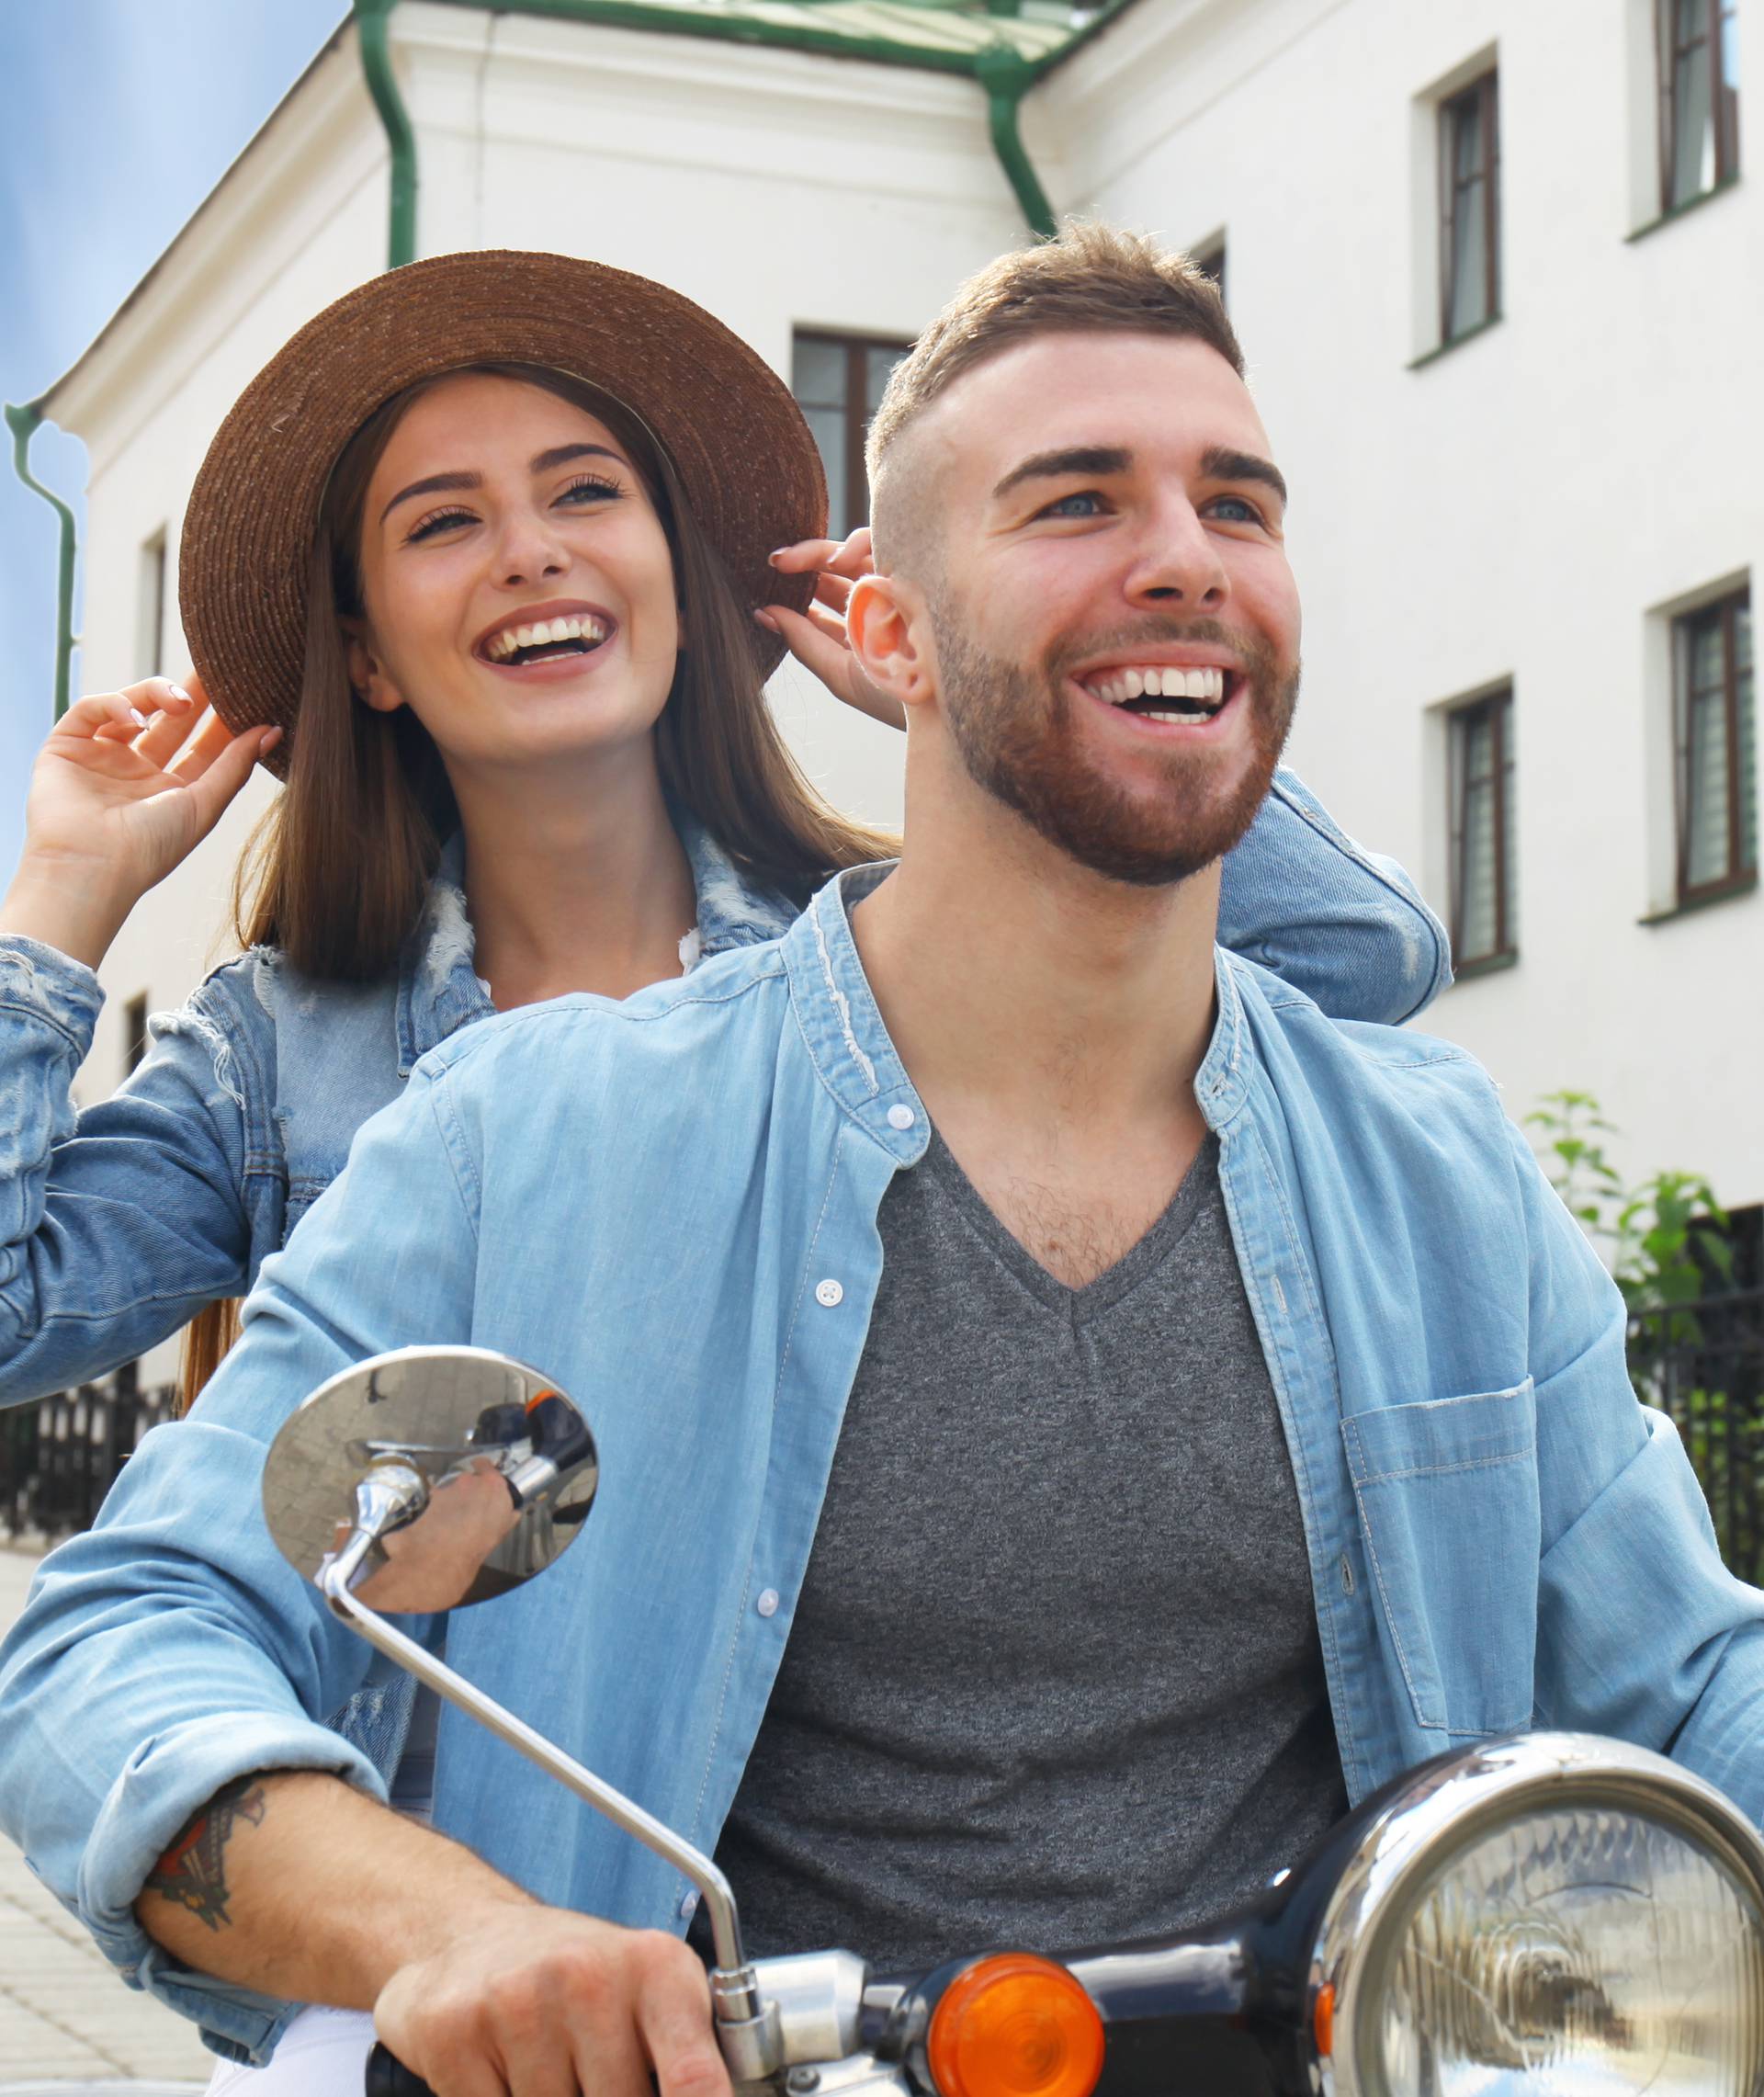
(1447, 1491)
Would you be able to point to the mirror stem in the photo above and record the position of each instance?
(734, 1987)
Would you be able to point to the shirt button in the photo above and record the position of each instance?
(689, 1906)
(767, 1604)
(828, 1293)
(901, 1117)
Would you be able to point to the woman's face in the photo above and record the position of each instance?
(516, 581)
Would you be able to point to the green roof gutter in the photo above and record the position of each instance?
(1007, 79)
(371, 20)
(24, 424)
(1003, 72)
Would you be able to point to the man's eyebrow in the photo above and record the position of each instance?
(454, 483)
(1224, 464)
(1099, 460)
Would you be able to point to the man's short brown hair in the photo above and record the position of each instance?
(1092, 279)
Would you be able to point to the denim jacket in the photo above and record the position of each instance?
(670, 1205)
(118, 1224)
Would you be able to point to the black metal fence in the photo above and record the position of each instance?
(1704, 1364)
(59, 1457)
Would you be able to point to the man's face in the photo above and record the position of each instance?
(1116, 622)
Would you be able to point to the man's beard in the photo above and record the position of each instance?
(1016, 737)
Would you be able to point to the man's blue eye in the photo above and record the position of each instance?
(1063, 507)
(1247, 512)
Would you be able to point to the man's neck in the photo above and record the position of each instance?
(1052, 1021)
(576, 882)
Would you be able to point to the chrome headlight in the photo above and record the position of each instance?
(1552, 1916)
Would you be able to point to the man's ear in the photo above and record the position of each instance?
(889, 633)
(367, 674)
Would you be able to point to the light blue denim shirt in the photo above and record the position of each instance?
(118, 1224)
(670, 1205)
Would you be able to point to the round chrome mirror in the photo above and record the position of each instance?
(455, 1473)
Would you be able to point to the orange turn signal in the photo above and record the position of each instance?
(1323, 2020)
(1015, 2026)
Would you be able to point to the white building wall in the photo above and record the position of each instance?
(1517, 507)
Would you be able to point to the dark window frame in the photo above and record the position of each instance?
(1723, 101)
(1497, 708)
(1485, 90)
(857, 348)
(1212, 261)
(1721, 613)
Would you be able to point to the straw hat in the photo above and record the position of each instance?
(744, 453)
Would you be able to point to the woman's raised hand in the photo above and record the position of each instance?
(817, 638)
(126, 786)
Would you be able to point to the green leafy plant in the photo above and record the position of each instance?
(1665, 1238)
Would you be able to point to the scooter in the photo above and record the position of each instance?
(1549, 1915)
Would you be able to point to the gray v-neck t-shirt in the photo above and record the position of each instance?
(1054, 1677)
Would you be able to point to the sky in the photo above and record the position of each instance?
(120, 117)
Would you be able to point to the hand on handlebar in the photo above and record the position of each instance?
(535, 2001)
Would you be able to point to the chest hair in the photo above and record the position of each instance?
(1077, 1234)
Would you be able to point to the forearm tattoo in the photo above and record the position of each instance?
(193, 1872)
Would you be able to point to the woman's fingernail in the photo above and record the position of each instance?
(139, 717)
(271, 738)
(778, 554)
(182, 697)
(766, 621)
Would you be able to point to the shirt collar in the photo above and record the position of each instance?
(850, 1045)
(440, 990)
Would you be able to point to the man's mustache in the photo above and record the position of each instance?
(1251, 651)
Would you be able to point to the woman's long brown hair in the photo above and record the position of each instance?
(336, 873)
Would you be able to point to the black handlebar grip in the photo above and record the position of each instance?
(388, 2077)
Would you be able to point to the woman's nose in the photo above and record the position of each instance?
(531, 548)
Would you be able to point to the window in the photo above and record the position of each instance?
(1484, 914)
(1714, 738)
(838, 381)
(150, 614)
(1469, 209)
(1210, 261)
(1699, 97)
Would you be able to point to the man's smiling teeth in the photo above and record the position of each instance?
(544, 633)
(1159, 682)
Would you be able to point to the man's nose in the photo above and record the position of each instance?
(1177, 565)
(530, 547)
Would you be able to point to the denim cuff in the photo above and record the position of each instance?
(171, 1778)
(42, 982)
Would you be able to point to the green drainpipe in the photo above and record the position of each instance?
(1007, 78)
(24, 422)
(371, 20)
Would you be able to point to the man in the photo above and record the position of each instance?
(1154, 1414)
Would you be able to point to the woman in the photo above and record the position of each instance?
(476, 814)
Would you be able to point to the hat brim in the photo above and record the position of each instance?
(744, 453)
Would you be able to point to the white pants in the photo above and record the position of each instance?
(323, 2052)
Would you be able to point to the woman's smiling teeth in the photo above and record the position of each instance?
(574, 634)
(1202, 689)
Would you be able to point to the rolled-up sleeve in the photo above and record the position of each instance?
(1643, 1633)
(119, 1223)
(1345, 926)
(171, 1648)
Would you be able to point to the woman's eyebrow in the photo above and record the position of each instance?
(454, 483)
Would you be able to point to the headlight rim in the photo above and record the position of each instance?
(1443, 1805)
